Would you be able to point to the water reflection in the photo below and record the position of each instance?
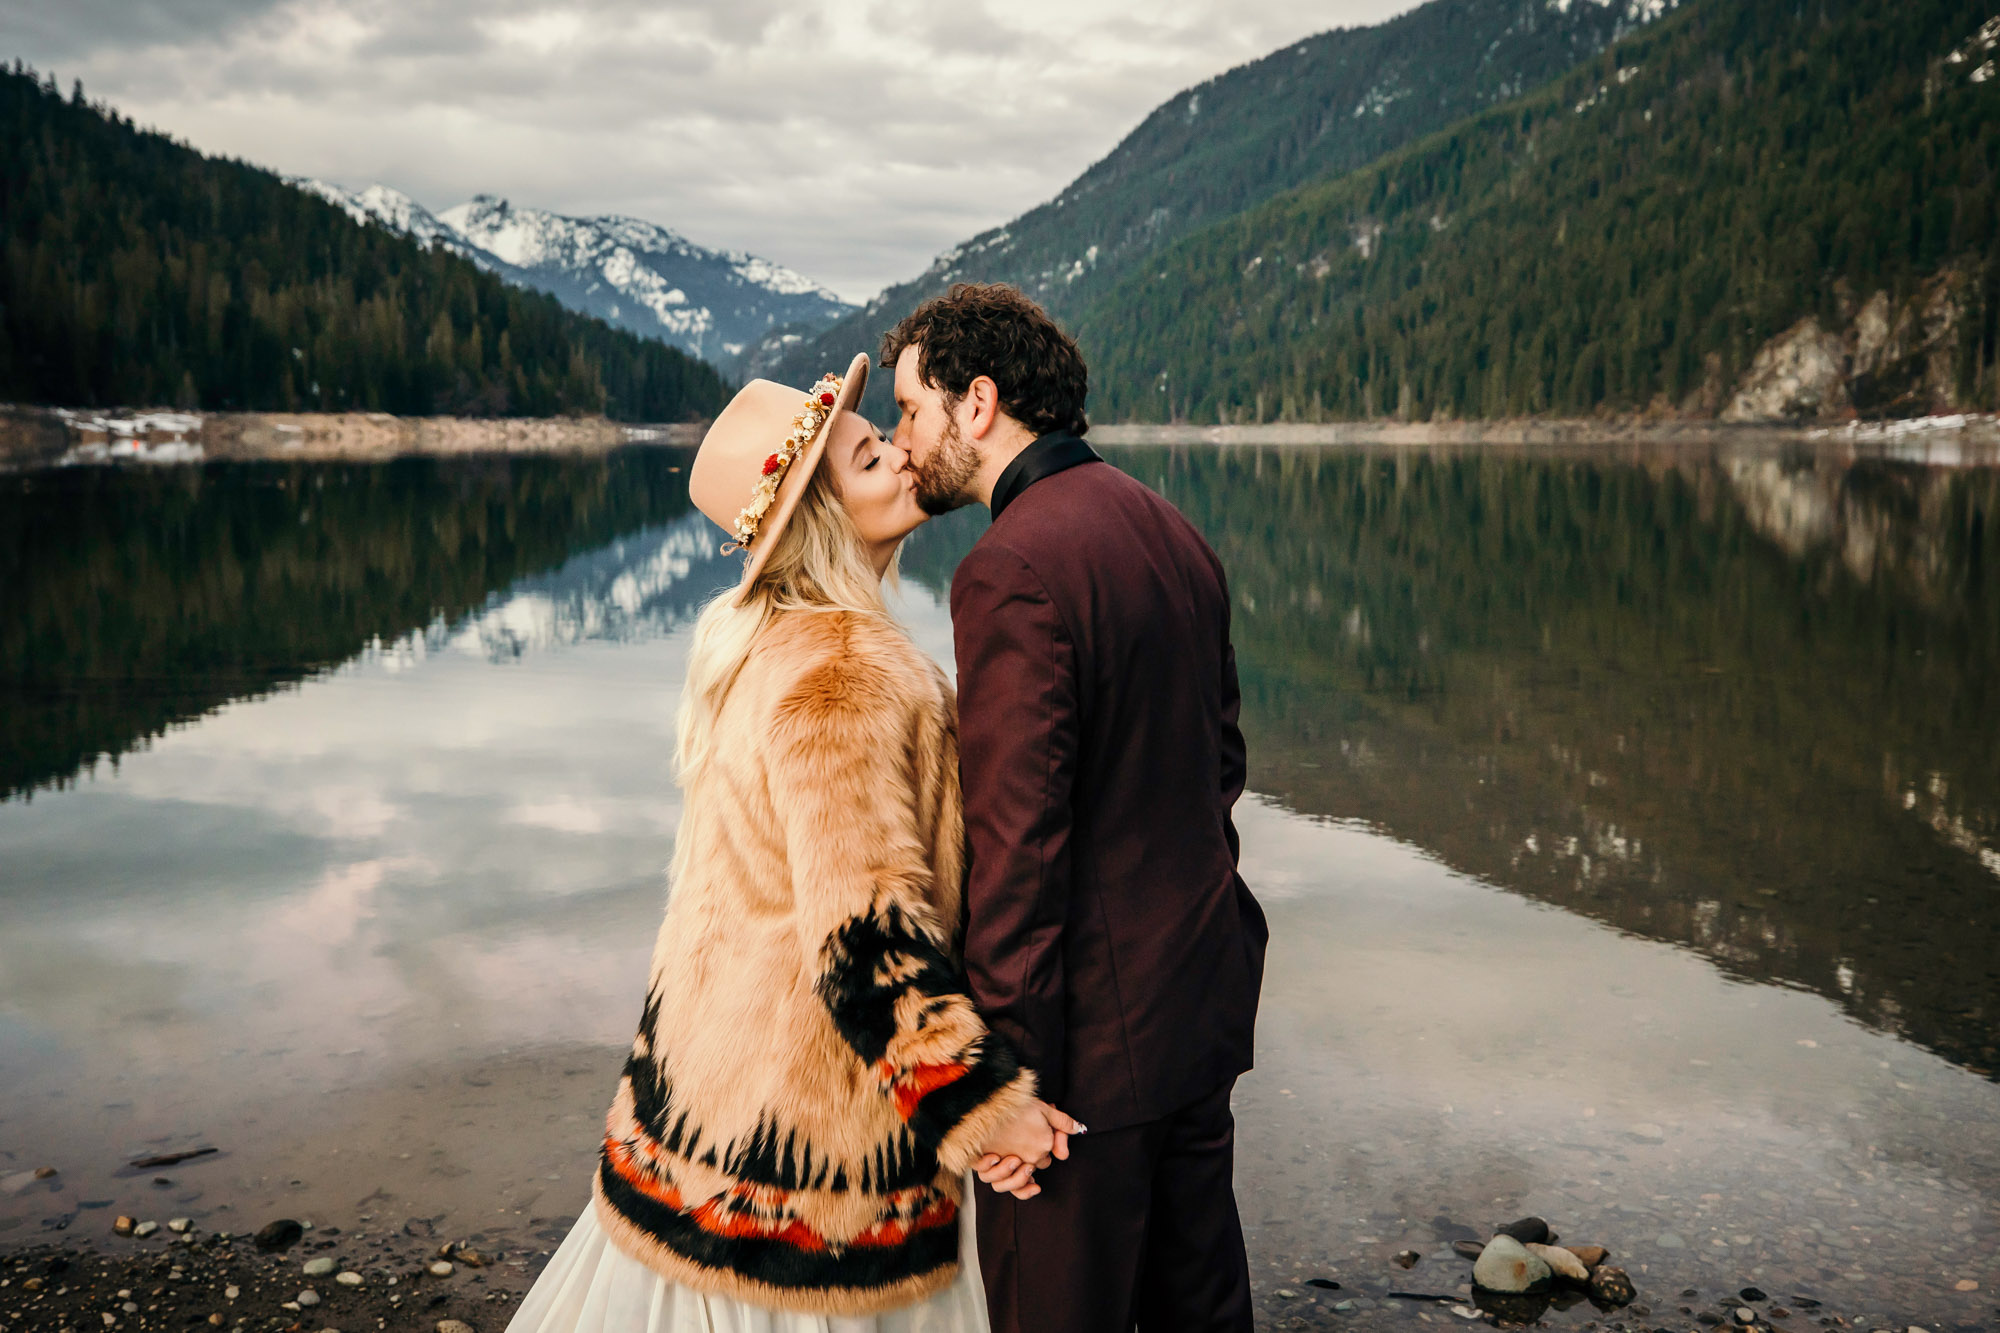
(1739, 704)
(1553, 752)
(1740, 700)
(134, 599)
(1736, 700)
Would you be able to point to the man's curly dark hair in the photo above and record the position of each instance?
(990, 328)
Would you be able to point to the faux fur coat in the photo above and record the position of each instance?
(810, 1082)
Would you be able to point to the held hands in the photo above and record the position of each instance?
(1035, 1137)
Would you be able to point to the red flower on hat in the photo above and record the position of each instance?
(771, 465)
(826, 400)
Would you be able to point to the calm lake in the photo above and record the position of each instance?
(1628, 818)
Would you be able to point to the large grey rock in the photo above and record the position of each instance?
(1800, 375)
(1506, 1265)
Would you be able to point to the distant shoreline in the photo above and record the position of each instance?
(33, 438)
(1979, 430)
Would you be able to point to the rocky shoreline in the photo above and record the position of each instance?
(33, 437)
(394, 1277)
(403, 1276)
(1981, 432)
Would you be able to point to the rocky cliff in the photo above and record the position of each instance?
(1887, 356)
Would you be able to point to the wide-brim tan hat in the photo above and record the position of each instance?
(750, 436)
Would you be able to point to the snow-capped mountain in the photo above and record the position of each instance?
(391, 208)
(625, 271)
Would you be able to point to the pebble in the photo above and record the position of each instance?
(180, 1224)
(453, 1326)
(1610, 1286)
(216, 1320)
(231, 1293)
(1287, 1293)
(1467, 1249)
(1561, 1262)
(280, 1235)
(470, 1258)
(441, 1269)
(145, 1229)
(1590, 1255)
(1506, 1265)
(1529, 1231)
(1649, 1133)
(1745, 1315)
(123, 1226)
(348, 1279)
(319, 1267)
(307, 1297)
(1669, 1240)
(44, 1172)
(1966, 1284)
(1753, 1294)
(1407, 1258)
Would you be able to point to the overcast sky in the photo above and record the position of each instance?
(849, 139)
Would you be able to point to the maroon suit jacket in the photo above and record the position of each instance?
(1107, 931)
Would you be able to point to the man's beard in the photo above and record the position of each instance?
(944, 483)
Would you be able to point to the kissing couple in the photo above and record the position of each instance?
(917, 939)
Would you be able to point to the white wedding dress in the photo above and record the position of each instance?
(592, 1286)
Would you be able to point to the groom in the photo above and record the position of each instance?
(1108, 934)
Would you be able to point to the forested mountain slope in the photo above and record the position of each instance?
(134, 270)
(1758, 208)
(1320, 107)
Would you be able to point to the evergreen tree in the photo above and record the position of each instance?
(134, 270)
(1627, 237)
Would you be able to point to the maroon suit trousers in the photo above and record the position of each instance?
(1138, 1229)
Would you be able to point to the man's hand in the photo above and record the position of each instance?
(1035, 1137)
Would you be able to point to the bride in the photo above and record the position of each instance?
(810, 1087)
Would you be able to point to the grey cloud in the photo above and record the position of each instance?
(50, 31)
(850, 139)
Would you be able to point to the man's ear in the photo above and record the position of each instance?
(982, 396)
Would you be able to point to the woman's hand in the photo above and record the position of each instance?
(1034, 1138)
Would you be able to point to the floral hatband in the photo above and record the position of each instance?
(805, 427)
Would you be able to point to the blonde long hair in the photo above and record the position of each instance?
(818, 565)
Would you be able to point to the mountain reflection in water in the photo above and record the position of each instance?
(135, 599)
(1737, 701)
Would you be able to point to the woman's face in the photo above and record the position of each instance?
(874, 481)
